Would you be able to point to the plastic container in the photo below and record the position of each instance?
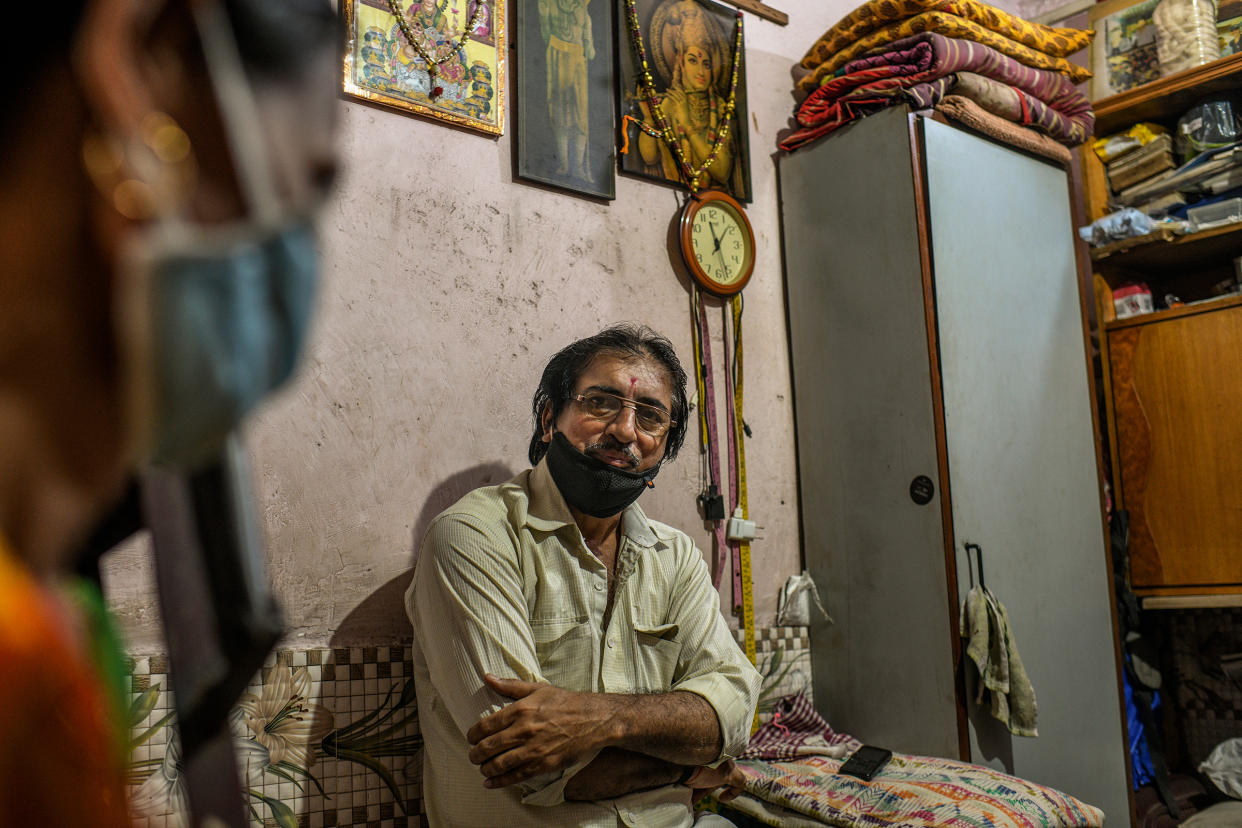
(1219, 214)
(1185, 34)
(1132, 300)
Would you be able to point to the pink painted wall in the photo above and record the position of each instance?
(447, 287)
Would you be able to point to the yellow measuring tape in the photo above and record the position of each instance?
(748, 597)
(743, 549)
(743, 592)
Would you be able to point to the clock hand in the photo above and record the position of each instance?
(715, 238)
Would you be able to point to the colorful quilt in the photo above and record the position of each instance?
(911, 792)
(949, 26)
(915, 63)
(878, 13)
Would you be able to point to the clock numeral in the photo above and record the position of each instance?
(736, 258)
(737, 245)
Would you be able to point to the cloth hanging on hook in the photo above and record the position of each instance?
(984, 623)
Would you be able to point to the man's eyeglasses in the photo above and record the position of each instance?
(604, 406)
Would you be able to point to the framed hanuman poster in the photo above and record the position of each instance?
(441, 58)
(565, 82)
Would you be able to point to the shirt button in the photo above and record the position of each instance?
(599, 587)
(612, 642)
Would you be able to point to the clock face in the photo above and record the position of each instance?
(721, 244)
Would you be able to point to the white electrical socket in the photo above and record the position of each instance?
(740, 529)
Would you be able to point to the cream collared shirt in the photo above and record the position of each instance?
(505, 585)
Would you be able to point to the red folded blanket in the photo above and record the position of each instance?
(878, 81)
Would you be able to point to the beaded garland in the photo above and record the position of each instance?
(663, 129)
(433, 63)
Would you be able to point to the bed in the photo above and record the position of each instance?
(792, 781)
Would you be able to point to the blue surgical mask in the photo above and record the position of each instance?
(213, 317)
(217, 321)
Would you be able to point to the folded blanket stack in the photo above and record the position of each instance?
(888, 52)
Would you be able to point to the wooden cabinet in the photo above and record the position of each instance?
(1176, 398)
(942, 396)
(1173, 379)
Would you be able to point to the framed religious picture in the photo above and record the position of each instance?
(1123, 52)
(1229, 26)
(441, 58)
(565, 108)
(691, 47)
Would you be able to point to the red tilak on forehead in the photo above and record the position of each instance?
(633, 382)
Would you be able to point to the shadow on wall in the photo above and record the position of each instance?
(375, 618)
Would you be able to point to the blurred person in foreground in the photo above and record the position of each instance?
(162, 161)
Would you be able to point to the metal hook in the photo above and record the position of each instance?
(978, 554)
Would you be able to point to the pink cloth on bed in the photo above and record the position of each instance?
(797, 729)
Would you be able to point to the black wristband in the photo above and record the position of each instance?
(686, 774)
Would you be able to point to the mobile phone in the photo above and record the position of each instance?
(866, 762)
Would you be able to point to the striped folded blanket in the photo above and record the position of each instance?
(949, 26)
(918, 69)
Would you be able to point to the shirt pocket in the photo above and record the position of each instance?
(658, 648)
(563, 649)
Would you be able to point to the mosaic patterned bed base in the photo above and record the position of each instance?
(329, 737)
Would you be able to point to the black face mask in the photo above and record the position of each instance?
(592, 486)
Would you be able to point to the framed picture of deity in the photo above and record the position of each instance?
(441, 58)
(697, 61)
(564, 107)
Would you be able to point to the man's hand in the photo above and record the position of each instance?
(545, 730)
(725, 775)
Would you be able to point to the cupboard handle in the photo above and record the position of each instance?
(979, 555)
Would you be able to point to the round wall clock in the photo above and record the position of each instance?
(717, 242)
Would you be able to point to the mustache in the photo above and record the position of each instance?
(612, 444)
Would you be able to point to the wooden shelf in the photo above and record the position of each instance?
(1153, 602)
(1166, 98)
(1188, 252)
(1174, 313)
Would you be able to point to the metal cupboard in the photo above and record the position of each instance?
(942, 397)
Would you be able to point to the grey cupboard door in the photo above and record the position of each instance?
(862, 392)
(1022, 462)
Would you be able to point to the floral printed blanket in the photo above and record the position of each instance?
(911, 792)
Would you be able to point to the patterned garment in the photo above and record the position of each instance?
(61, 752)
(970, 114)
(949, 26)
(1006, 102)
(910, 792)
(875, 82)
(878, 13)
(796, 729)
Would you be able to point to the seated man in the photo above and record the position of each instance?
(567, 648)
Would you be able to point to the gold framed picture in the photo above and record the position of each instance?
(1123, 52)
(444, 59)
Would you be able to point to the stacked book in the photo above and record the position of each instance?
(1215, 174)
(1140, 166)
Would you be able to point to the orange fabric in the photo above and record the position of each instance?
(876, 14)
(60, 756)
(949, 25)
